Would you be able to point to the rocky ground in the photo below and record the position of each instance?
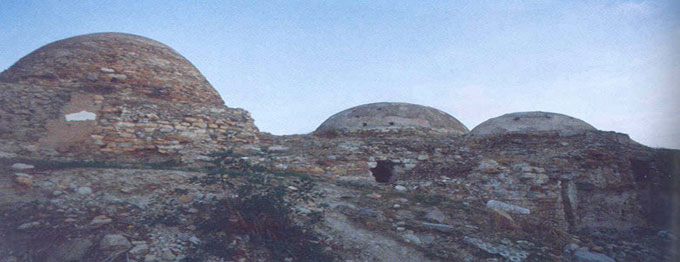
(66, 212)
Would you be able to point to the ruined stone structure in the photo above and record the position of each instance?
(120, 97)
(114, 96)
(593, 179)
(390, 116)
(528, 122)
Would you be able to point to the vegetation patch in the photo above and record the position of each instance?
(258, 217)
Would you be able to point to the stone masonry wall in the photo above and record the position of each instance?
(114, 97)
(570, 182)
(123, 127)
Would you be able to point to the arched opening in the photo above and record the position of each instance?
(383, 171)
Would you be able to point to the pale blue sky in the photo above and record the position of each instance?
(292, 64)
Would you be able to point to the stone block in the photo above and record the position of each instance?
(494, 204)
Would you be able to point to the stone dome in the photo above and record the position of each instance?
(113, 96)
(526, 122)
(114, 62)
(390, 116)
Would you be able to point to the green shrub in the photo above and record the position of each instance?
(262, 211)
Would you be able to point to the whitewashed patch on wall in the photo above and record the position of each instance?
(81, 116)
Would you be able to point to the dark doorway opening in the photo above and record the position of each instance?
(383, 171)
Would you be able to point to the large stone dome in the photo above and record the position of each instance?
(114, 96)
(114, 62)
(390, 116)
(526, 122)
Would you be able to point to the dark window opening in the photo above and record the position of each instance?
(640, 169)
(391, 123)
(379, 108)
(516, 118)
(156, 92)
(383, 171)
(363, 124)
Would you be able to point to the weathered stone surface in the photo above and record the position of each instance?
(21, 166)
(587, 256)
(439, 227)
(114, 242)
(154, 69)
(139, 250)
(523, 122)
(23, 179)
(435, 215)
(71, 250)
(168, 208)
(103, 97)
(489, 166)
(100, 221)
(411, 238)
(493, 204)
(502, 220)
(84, 190)
(586, 186)
(583, 184)
(390, 116)
(29, 225)
(511, 254)
(277, 148)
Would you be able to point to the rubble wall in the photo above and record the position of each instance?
(570, 182)
(125, 127)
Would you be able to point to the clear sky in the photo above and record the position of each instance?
(292, 64)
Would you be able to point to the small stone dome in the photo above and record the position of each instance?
(388, 116)
(526, 122)
(114, 62)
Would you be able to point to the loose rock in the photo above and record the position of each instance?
(114, 242)
(139, 250)
(21, 166)
(493, 204)
(439, 227)
(435, 215)
(84, 190)
(29, 225)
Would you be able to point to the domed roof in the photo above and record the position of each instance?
(531, 122)
(110, 62)
(386, 116)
